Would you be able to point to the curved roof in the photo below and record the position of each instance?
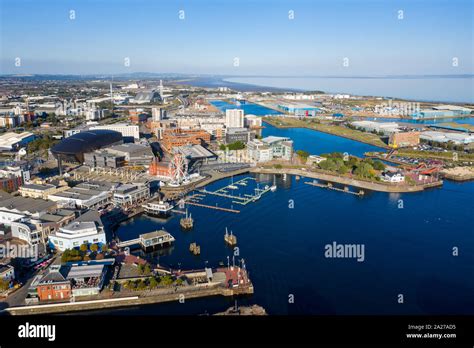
(86, 141)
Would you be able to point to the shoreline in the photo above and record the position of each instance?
(120, 302)
(373, 186)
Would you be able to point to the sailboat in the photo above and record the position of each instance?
(232, 186)
(274, 186)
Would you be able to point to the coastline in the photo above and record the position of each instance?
(120, 302)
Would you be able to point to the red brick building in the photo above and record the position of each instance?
(180, 137)
(54, 286)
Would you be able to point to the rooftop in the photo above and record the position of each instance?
(38, 187)
(150, 235)
(23, 204)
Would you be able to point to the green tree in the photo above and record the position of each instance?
(378, 165)
(278, 166)
(104, 248)
(94, 247)
(364, 170)
(83, 247)
(166, 280)
(147, 269)
(302, 154)
(238, 145)
(153, 283)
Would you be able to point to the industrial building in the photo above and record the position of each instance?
(299, 109)
(386, 128)
(442, 111)
(445, 137)
(12, 141)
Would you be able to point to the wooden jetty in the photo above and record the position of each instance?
(151, 240)
(213, 207)
(230, 238)
(331, 187)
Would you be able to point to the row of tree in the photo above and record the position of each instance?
(343, 164)
(81, 254)
(238, 145)
(152, 282)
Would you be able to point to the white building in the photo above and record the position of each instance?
(270, 148)
(252, 121)
(393, 177)
(127, 130)
(77, 233)
(234, 118)
(26, 229)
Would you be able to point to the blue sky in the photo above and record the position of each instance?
(259, 33)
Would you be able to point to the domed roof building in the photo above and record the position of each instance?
(72, 149)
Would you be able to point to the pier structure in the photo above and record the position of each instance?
(150, 240)
(331, 187)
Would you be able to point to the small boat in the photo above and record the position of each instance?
(232, 187)
(160, 208)
(273, 188)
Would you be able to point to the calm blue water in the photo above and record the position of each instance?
(317, 142)
(408, 250)
(249, 108)
(449, 89)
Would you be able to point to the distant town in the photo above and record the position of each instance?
(81, 156)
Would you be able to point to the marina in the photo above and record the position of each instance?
(242, 198)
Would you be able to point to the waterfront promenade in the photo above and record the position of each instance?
(369, 185)
(133, 298)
